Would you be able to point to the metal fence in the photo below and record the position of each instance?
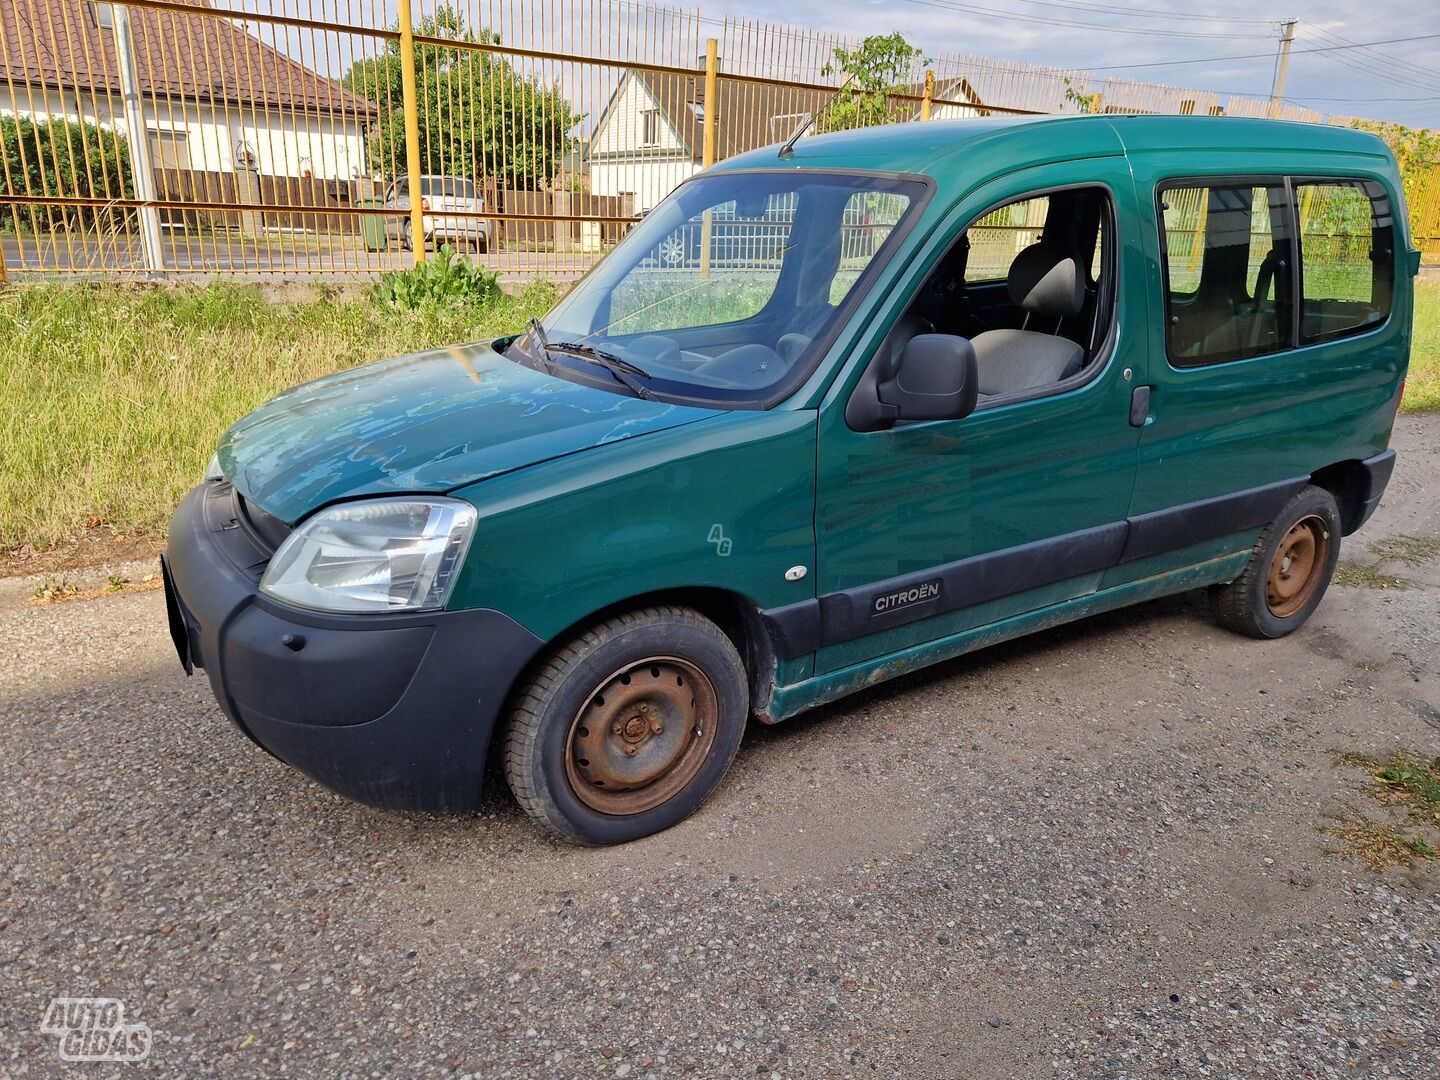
(299, 137)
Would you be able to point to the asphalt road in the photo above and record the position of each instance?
(1091, 853)
(282, 256)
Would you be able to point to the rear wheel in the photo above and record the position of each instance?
(626, 729)
(1289, 569)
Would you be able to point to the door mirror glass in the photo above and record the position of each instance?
(934, 379)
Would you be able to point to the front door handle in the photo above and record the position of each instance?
(1140, 406)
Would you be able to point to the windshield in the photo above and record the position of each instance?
(726, 291)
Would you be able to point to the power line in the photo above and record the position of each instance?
(950, 5)
(1148, 13)
(1374, 70)
(1307, 97)
(1248, 56)
(1414, 70)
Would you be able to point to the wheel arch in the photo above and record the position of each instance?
(737, 616)
(1349, 483)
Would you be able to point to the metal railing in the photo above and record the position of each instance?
(285, 137)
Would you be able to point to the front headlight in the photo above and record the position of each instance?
(374, 555)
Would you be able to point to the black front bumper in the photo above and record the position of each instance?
(395, 711)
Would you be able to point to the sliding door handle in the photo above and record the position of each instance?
(1140, 406)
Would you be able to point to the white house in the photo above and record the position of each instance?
(650, 135)
(215, 97)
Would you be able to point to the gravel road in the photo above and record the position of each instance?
(1091, 853)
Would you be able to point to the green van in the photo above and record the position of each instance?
(824, 417)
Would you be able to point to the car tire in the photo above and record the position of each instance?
(626, 729)
(1289, 570)
(407, 237)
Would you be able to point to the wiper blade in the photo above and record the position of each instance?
(609, 359)
(622, 369)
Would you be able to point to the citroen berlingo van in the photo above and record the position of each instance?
(904, 393)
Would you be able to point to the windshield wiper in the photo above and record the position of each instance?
(622, 369)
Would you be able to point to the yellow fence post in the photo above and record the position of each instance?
(707, 151)
(412, 131)
(929, 98)
(712, 105)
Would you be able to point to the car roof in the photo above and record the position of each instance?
(926, 146)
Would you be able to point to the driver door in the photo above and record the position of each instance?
(933, 528)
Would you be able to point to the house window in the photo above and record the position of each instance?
(169, 149)
(650, 127)
(102, 15)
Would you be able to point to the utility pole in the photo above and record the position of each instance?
(139, 136)
(1282, 65)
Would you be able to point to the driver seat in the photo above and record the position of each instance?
(1046, 279)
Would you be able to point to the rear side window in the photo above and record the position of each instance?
(1227, 277)
(1347, 257)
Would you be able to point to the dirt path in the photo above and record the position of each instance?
(1094, 852)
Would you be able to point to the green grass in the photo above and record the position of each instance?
(1355, 576)
(1422, 388)
(1403, 781)
(1410, 550)
(112, 398)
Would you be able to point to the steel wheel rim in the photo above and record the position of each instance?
(642, 735)
(1297, 566)
(672, 251)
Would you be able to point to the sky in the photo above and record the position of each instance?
(1399, 80)
(1395, 77)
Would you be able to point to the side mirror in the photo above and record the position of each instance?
(935, 378)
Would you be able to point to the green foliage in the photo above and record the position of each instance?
(112, 397)
(478, 116)
(443, 278)
(1416, 150)
(874, 70)
(1084, 102)
(61, 157)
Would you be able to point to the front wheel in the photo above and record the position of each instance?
(625, 730)
(1289, 569)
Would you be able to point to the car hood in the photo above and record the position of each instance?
(430, 422)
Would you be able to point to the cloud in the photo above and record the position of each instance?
(1358, 78)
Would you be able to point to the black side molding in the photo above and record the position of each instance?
(835, 618)
(896, 601)
(1194, 522)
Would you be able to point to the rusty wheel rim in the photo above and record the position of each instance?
(1298, 566)
(642, 735)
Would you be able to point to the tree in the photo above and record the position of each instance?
(478, 115)
(63, 158)
(1416, 150)
(874, 71)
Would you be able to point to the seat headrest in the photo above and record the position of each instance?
(1046, 279)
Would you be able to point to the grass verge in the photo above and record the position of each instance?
(1422, 387)
(112, 398)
